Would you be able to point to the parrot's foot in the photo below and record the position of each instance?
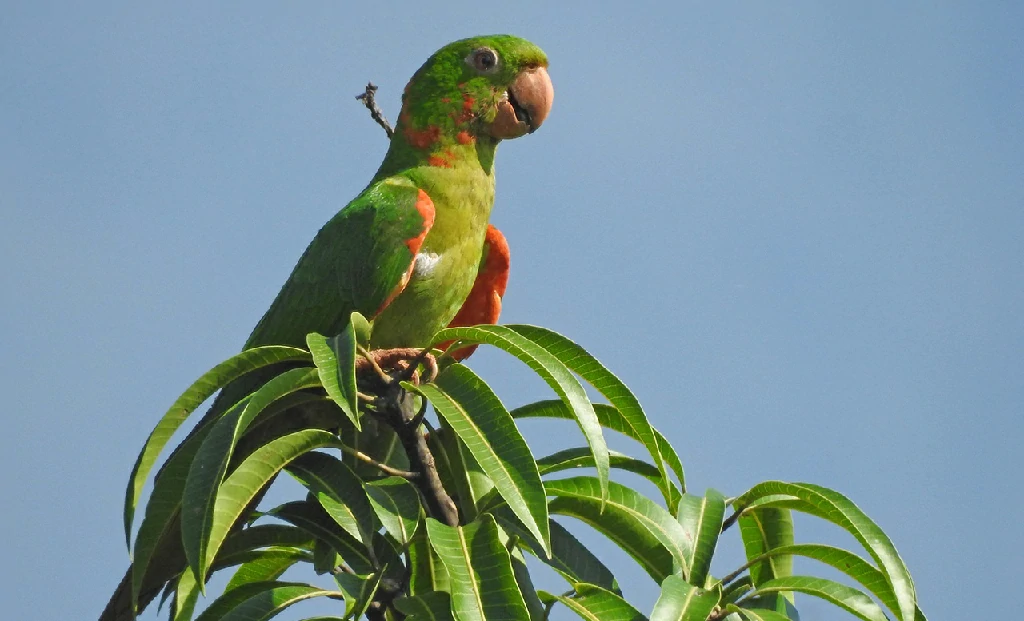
(383, 367)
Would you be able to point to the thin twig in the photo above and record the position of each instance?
(369, 99)
(368, 356)
(729, 521)
(386, 469)
(429, 364)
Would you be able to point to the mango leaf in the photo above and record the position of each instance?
(377, 441)
(736, 588)
(454, 464)
(339, 491)
(335, 360)
(701, 519)
(642, 528)
(426, 572)
(483, 584)
(325, 558)
(265, 565)
(258, 601)
(361, 329)
(397, 505)
(241, 542)
(609, 418)
(757, 614)
(358, 591)
(483, 424)
(161, 520)
(570, 558)
(186, 594)
(248, 479)
(427, 606)
(681, 601)
(200, 390)
(845, 597)
(847, 562)
(619, 396)
(580, 457)
(314, 519)
(554, 372)
(211, 461)
(592, 603)
(838, 509)
(762, 530)
(525, 582)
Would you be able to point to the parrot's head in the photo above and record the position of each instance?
(483, 88)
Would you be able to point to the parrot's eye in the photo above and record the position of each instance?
(484, 60)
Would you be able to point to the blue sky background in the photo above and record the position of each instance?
(794, 230)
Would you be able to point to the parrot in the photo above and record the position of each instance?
(413, 252)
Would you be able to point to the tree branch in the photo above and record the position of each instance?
(369, 99)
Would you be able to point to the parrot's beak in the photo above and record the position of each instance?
(524, 105)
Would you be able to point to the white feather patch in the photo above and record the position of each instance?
(425, 263)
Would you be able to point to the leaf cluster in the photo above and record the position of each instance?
(371, 521)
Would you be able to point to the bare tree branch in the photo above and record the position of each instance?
(369, 99)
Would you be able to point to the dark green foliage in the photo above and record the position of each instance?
(365, 518)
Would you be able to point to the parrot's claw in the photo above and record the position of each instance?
(401, 364)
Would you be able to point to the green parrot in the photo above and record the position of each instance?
(408, 250)
(414, 251)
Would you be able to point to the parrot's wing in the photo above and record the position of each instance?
(483, 306)
(359, 261)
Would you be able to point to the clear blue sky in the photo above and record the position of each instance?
(795, 231)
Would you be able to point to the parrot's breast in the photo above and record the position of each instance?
(447, 263)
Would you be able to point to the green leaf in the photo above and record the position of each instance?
(757, 614)
(483, 424)
(325, 558)
(265, 565)
(358, 591)
(483, 584)
(258, 601)
(580, 457)
(847, 598)
(427, 606)
(701, 519)
(186, 594)
(621, 398)
(461, 476)
(554, 372)
(735, 589)
(160, 522)
(361, 328)
(379, 442)
(397, 505)
(838, 509)
(312, 518)
(339, 491)
(335, 360)
(261, 536)
(211, 462)
(200, 390)
(762, 530)
(609, 418)
(522, 574)
(426, 572)
(635, 523)
(847, 562)
(569, 557)
(246, 481)
(680, 601)
(592, 603)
